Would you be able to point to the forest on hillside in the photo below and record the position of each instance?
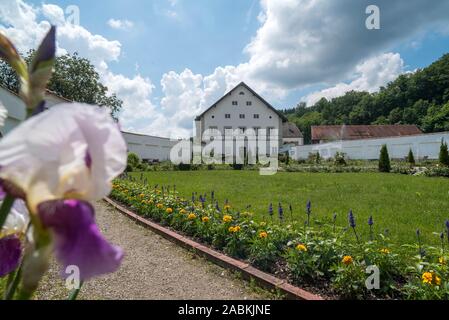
(420, 98)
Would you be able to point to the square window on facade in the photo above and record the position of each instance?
(256, 116)
(249, 103)
(227, 116)
(235, 103)
(242, 116)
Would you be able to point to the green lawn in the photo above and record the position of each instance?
(398, 203)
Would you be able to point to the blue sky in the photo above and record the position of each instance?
(170, 59)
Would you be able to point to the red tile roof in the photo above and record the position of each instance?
(353, 132)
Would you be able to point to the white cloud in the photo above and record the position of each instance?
(120, 24)
(299, 43)
(369, 76)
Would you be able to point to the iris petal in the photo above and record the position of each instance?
(78, 241)
(10, 251)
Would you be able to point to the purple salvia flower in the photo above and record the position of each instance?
(351, 219)
(308, 207)
(281, 212)
(370, 221)
(270, 209)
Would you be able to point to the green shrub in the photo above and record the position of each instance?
(384, 160)
(411, 157)
(133, 162)
(184, 166)
(444, 154)
(339, 159)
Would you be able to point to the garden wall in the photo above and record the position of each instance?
(423, 145)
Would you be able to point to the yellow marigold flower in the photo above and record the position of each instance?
(301, 247)
(263, 235)
(169, 210)
(227, 207)
(159, 205)
(347, 260)
(234, 229)
(442, 260)
(143, 201)
(237, 228)
(192, 216)
(227, 218)
(141, 195)
(205, 219)
(183, 211)
(385, 251)
(125, 191)
(437, 280)
(231, 229)
(427, 277)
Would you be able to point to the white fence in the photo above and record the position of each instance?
(423, 146)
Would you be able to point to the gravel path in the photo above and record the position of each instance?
(153, 268)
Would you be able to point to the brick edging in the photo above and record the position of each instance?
(263, 279)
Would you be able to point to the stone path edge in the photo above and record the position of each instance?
(263, 279)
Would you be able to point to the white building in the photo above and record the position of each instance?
(424, 146)
(242, 108)
(146, 147)
(149, 148)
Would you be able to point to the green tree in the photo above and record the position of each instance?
(74, 78)
(410, 157)
(384, 160)
(444, 154)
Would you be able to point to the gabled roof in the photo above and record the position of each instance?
(284, 118)
(353, 132)
(290, 130)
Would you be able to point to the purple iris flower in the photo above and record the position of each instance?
(77, 239)
(10, 251)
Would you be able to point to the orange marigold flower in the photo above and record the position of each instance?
(427, 277)
(227, 218)
(347, 260)
(205, 219)
(191, 216)
(301, 247)
(263, 235)
(169, 210)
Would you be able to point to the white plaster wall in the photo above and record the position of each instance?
(149, 147)
(424, 145)
(16, 110)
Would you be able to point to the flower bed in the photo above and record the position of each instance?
(316, 257)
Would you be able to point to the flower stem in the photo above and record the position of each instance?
(74, 294)
(13, 284)
(5, 208)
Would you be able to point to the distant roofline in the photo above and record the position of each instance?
(284, 118)
(387, 137)
(146, 135)
(47, 91)
(325, 136)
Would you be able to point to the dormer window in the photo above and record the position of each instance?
(235, 103)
